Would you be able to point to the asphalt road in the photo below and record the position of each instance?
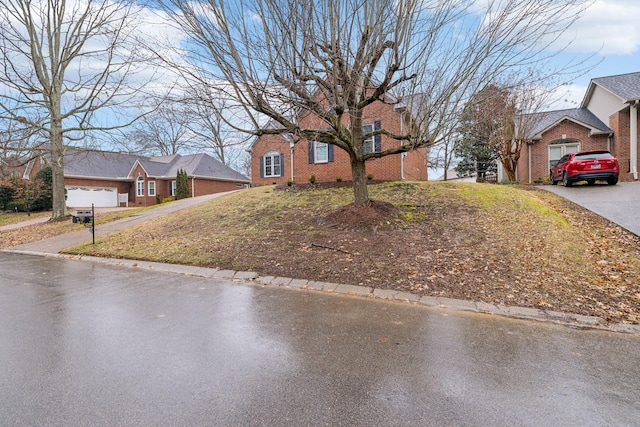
(618, 203)
(83, 343)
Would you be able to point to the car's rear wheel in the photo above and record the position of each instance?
(612, 181)
(553, 181)
(565, 180)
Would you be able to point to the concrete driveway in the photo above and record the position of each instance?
(618, 203)
(58, 243)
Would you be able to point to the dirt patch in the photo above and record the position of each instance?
(368, 216)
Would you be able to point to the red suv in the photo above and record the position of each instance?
(587, 166)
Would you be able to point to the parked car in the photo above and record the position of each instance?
(590, 166)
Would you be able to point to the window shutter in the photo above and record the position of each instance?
(330, 152)
(281, 164)
(378, 138)
(311, 159)
(261, 166)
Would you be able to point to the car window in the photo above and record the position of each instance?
(563, 158)
(593, 156)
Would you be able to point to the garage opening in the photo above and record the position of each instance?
(84, 197)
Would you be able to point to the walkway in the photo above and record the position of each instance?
(57, 244)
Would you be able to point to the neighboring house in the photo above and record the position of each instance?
(277, 159)
(107, 179)
(607, 119)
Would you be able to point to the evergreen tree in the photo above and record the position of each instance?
(45, 176)
(182, 185)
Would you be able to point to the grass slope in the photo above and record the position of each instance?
(498, 244)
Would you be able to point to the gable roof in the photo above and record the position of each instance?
(624, 86)
(118, 166)
(582, 116)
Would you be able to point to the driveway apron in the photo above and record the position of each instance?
(617, 203)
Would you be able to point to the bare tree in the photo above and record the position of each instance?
(165, 132)
(442, 155)
(17, 146)
(210, 113)
(333, 59)
(499, 119)
(515, 123)
(63, 62)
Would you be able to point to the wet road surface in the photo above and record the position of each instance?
(92, 344)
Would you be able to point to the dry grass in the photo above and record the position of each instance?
(8, 218)
(492, 243)
(47, 229)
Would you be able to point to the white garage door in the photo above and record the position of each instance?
(83, 197)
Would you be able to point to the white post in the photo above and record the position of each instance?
(291, 147)
(633, 110)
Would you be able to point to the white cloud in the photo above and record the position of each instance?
(565, 97)
(609, 27)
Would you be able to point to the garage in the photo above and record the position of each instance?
(83, 197)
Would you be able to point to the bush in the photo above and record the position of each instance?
(339, 179)
(289, 183)
(369, 177)
(11, 206)
(312, 179)
(6, 196)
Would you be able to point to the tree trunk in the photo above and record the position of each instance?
(510, 169)
(360, 189)
(57, 170)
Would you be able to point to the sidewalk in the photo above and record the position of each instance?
(56, 244)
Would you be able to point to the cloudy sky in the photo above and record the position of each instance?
(610, 31)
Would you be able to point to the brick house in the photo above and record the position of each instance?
(277, 159)
(107, 179)
(607, 119)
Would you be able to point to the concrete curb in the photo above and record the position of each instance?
(249, 277)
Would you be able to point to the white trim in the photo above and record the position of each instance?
(633, 128)
(315, 152)
(274, 157)
(139, 189)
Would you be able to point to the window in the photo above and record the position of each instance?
(140, 186)
(272, 164)
(559, 148)
(321, 154)
(172, 188)
(152, 188)
(369, 143)
(372, 144)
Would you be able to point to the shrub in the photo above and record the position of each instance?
(312, 179)
(182, 185)
(369, 177)
(339, 179)
(11, 206)
(289, 183)
(6, 196)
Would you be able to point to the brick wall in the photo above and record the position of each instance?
(540, 149)
(621, 148)
(387, 168)
(263, 145)
(210, 186)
